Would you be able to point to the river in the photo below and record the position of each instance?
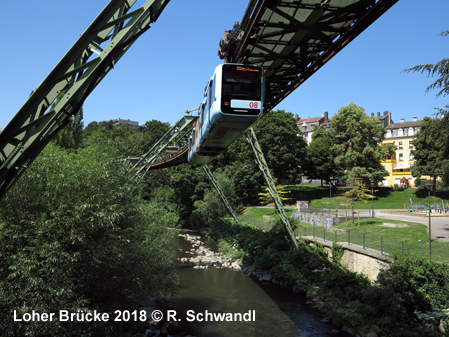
(277, 312)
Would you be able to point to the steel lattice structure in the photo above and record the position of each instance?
(290, 39)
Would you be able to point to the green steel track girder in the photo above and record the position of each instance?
(293, 39)
(87, 62)
(220, 192)
(148, 159)
(260, 158)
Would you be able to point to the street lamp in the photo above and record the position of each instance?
(372, 199)
(429, 187)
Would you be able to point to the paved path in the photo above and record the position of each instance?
(439, 224)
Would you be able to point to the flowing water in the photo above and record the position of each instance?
(270, 311)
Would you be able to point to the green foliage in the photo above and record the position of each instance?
(358, 192)
(284, 151)
(417, 284)
(357, 139)
(265, 196)
(211, 206)
(126, 139)
(389, 307)
(75, 235)
(429, 145)
(439, 69)
(321, 155)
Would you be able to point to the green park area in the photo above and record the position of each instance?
(388, 236)
(384, 198)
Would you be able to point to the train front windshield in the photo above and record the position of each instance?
(241, 83)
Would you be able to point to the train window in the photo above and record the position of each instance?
(243, 83)
(210, 94)
(202, 114)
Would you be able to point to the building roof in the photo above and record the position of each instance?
(404, 125)
(310, 120)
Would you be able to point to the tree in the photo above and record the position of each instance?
(357, 149)
(321, 156)
(211, 206)
(439, 69)
(284, 150)
(429, 150)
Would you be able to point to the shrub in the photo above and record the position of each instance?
(74, 234)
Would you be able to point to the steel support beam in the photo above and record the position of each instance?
(220, 192)
(260, 158)
(87, 62)
(171, 135)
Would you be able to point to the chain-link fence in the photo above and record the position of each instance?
(362, 240)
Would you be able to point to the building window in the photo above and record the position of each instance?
(410, 145)
(411, 131)
(388, 134)
(401, 156)
(400, 145)
(411, 156)
(401, 133)
(304, 128)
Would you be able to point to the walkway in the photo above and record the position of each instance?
(439, 224)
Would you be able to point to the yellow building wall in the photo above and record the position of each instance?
(399, 165)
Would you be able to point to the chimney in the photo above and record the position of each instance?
(378, 114)
(372, 114)
(402, 120)
(326, 116)
(415, 119)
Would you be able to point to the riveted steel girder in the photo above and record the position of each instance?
(174, 134)
(220, 192)
(87, 62)
(292, 39)
(263, 166)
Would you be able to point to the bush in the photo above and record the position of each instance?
(74, 235)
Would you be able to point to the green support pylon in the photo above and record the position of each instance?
(220, 192)
(260, 158)
(149, 158)
(87, 62)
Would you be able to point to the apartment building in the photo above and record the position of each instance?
(398, 166)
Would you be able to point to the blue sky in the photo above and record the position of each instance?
(165, 71)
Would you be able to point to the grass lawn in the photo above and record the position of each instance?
(414, 236)
(385, 198)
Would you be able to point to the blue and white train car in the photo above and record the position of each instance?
(233, 102)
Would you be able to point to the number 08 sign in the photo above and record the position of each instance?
(240, 104)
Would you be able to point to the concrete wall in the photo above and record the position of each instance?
(368, 262)
(365, 264)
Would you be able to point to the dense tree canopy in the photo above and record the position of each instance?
(429, 149)
(321, 156)
(357, 144)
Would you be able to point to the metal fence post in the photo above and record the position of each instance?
(381, 245)
(349, 237)
(314, 232)
(324, 234)
(364, 241)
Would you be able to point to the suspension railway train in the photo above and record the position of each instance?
(233, 102)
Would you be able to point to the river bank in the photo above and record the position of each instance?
(222, 284)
